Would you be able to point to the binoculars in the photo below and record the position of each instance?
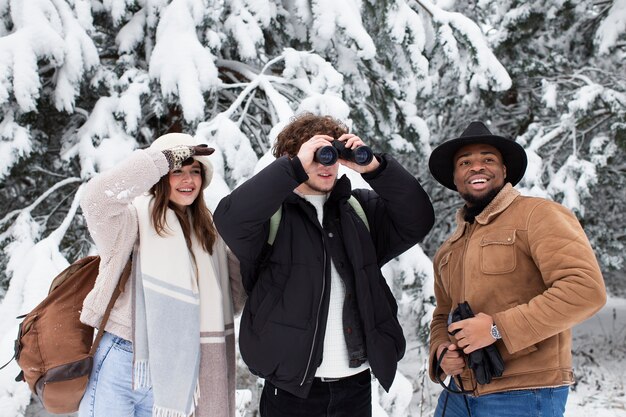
(327, 155)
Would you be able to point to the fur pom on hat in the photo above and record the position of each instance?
(171, 140)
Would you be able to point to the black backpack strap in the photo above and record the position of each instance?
(16, 348)
(10, 360)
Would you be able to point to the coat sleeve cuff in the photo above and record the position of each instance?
(298, 170)
(382, 160)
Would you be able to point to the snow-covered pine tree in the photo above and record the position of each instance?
(84, 82)
(567, 106)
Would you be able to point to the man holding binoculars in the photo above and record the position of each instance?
(320, 317)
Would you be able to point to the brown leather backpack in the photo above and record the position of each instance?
(53, 348)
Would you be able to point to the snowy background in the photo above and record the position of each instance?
(85, 82)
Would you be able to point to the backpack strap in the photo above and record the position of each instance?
(274, 222)
(5, 365)
(358, 208)
(275, 219)
(116, 293)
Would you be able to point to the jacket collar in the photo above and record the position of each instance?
(499, 203)
(341, 191)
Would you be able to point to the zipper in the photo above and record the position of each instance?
(317, 318)
(468, 235)
(470, 231)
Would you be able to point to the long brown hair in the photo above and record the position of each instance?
(199, 223)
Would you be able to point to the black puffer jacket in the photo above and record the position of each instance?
(283, 322)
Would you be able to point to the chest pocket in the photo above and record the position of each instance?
(497, 252)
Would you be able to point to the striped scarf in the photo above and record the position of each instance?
(179, 314)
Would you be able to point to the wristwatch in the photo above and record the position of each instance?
(494, 332)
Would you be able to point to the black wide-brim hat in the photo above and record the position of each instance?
(441, 162)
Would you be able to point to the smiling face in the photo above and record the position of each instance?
(321, 179)
(185, 184)
(479, 173)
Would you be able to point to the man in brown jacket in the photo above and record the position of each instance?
(526, 268)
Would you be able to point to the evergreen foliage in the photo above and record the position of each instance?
(84, 82)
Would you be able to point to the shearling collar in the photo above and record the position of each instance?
(499, 203)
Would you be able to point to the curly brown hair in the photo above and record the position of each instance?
(302, 128)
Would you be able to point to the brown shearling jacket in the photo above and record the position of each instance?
(527, 262)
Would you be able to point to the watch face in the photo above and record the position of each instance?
(495, 333)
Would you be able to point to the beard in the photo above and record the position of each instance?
(482, 200)
(321, 189)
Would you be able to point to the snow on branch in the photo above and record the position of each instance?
(572, 181)
(117, 8)
(612, 28)
(183, 72)
(485, 69)
(246, 21)
(26, 211)
(563, 158)
(80, 55)
(328, 15)
(407, 26)
(405, 22)
(311, 73)
(101, 127)
(35, 36)
(415, 123)
(132, 33)
(135, 84)
(14, 143)
(45, 30)
(305, 71)
(231, 144)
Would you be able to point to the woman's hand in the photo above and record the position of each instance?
(178, 154)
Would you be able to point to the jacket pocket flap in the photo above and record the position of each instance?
(500, 237)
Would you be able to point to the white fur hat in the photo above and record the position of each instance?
(171, 140)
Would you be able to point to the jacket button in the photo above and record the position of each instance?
(349, 330)
(330, 234)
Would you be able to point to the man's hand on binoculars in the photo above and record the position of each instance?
(352, 141)
(306, 154)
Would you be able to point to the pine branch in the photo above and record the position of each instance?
(39, 199)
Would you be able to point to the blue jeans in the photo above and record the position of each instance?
(542, 402)
(347, 397)
(109, 392)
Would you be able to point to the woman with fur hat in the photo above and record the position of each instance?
(169, 346)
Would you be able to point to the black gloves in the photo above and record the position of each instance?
(485, 362)
(177, 155)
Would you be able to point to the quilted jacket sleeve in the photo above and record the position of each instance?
(399, 211)
(570, 271)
